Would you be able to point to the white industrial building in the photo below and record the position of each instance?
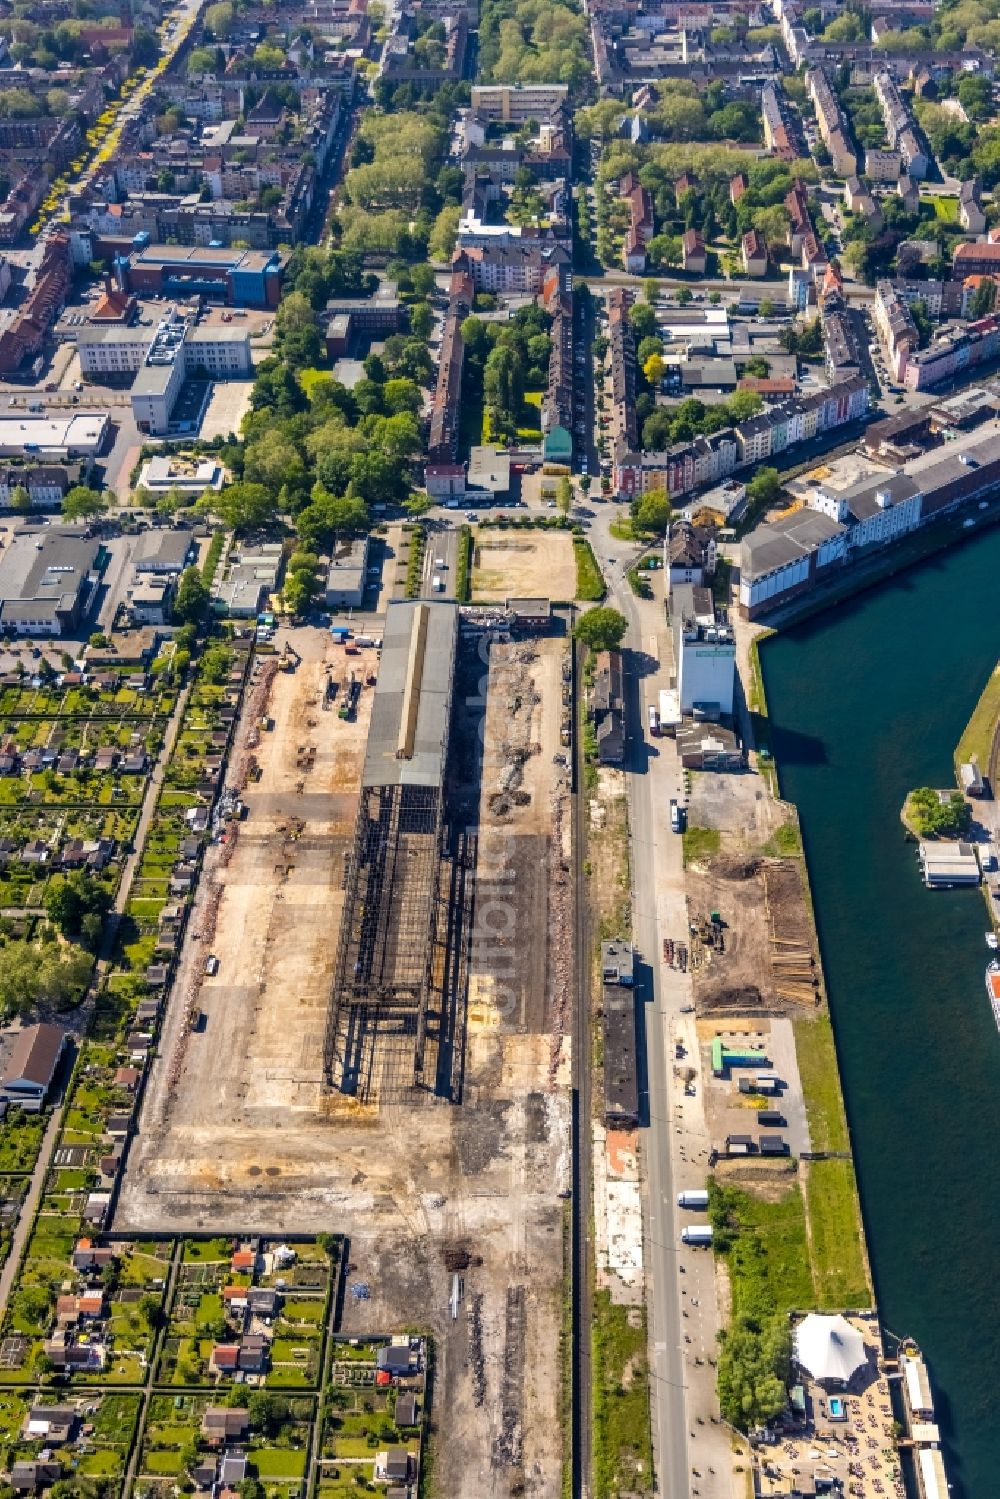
(705, 653)
(162, 360)
(80, 435)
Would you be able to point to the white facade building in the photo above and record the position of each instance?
(705, 652)
(161, 362)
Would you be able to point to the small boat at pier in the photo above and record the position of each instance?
(993, 989)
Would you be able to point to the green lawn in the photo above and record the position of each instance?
(700, 844)
(820, 1077)
(836, 1235)
(977, 739)
(623, 1452)
(279, 1462)
(102, 1463)
(945, 209)
(590, 587)
(784, 843)
(769, 1253)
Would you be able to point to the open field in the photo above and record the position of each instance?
(237, 1132)
(526, 564)
(240, 1125)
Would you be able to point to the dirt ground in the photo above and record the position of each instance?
(239, 1091)
(768, 958)
(527, 564)
(236, 1132)
(762, 903)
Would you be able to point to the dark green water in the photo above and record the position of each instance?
(866, 702)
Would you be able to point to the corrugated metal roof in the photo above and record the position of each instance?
(425, 766)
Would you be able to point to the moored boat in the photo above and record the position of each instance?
(993, 989)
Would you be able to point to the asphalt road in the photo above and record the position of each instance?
(667, 1393)
(442, 545)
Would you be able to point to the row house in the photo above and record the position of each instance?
(943, 299)
(896, 328)
(954, 351)
(442, 443)
(900, 125)
(709, 460)
(833, 126)
(780, 133)
(640, 230)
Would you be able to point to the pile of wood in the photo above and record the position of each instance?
(794, 969)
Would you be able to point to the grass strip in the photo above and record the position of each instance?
(590, 587)
(820, 1077)
(463, 567)
(623, 1447)
(836, 1237)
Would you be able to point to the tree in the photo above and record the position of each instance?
(267, 1411)
(444, 232)
(653, 369)
(715, 297)
(151, 1311)
(69, 899)
(301, 582)
(754, 1364)
(145, 48)
(601, 629)
(422, 320)
(192, 597)
(652, 512)
(244, 506)
(20, 500)
(201, 60)
(757, 367)
(643, 320)
(82, 503)
(651, 290)
(937, 817)
(922, 319)
(218, 19)
(274, 460)
(33, 1304)
(766, 307)
(844, 28)
(764, 488)
(327, 516)
(564, 495)
(684, 296)
(423, 280)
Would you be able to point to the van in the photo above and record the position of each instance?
(676, 816)
(211, 965)
(654, 722)
(437, 584)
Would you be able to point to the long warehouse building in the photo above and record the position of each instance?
(376, 1032)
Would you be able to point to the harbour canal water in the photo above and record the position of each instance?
(865, 702)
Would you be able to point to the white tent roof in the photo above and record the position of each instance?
(829, 1347)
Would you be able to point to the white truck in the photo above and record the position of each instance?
(698, 1234)
(696, 1198)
